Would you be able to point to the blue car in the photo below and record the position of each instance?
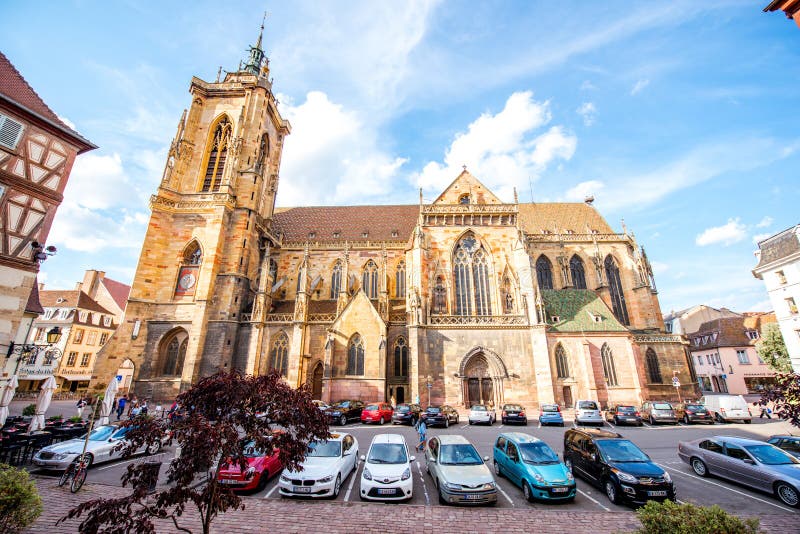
(550, 414)
(532, 465)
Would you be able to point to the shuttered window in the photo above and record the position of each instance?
(10, 132)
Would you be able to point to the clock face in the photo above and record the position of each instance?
(187, 281)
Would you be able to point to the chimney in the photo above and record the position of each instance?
(91, 281)
(41, 286)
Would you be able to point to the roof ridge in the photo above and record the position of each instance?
(41, 101)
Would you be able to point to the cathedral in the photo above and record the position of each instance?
(464, 300)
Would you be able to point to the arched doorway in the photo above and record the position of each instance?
(316, 382)
(400, 395)
(479, 384)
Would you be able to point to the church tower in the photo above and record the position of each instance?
(204, 266)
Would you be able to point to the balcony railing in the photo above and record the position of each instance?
(492, 320)
(279, 318)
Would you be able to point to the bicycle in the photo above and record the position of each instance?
(77, 472)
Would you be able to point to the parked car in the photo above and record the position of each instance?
(406, 413)
(345, 411)
(100, 448)
(623, 414)
(387, 469)
(693, 412)
(327, 464)
(790, 444)
(616, 465)
(440, 416)
(550, 414)
(658, 412)
(378, 412)
(322, 405)
(459, 474)
(756, 464)
(260, 468)
(588, 412)
(513, 413)
(532, 465)
(725, 408)
(481, 413)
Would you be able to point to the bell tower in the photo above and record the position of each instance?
(205, 256)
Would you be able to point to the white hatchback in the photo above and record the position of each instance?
(387, 469)
(327, 464)
(480, 413)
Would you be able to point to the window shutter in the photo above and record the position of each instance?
(10, 132)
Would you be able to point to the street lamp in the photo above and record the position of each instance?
(28, 350)
(429, 384)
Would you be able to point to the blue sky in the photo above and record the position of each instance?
(679, 117)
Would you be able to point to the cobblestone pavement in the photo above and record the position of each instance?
(273, 515)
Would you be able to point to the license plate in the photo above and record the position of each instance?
(471, 497)
(661, 493)
(301, 489)
(228, 481)
(560, 490)
(385, 492)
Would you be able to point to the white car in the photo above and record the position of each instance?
(326, 466)
(100, 448)
(387, 469)
(480, 413)
(588, 412)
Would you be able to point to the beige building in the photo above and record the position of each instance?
(466, 299)
(689, 320)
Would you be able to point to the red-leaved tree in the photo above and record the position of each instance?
(222, 413)
(785, 397)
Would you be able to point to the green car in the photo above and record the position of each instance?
(531, 464)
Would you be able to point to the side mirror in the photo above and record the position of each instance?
(748, 461)
(485, 458)
(363, 458)
(413, 458)
(593, 456)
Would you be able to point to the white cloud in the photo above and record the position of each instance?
(731, 232)
(66, 121)
(86, 230)
(765, 222)
(760, 237)
(639, 85)
(583, 190)
(501, 149)
(99, 182)
(588, 111)
(659, 267)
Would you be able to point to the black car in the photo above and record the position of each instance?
(344, 411)
(513, 413)
(616, 465)
(623, 414)
(406, 414)
(440, 416)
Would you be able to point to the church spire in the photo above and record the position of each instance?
(257, 56)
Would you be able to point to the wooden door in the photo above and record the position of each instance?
(316, 382)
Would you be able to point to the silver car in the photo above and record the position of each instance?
(749, 462)
(458, 471)
(587, 412)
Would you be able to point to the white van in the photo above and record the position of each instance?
(725, 408)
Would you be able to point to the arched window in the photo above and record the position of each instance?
(562, 364)
(174, 353)
(463, 199)
(471, 270)
(653, 368)
(439, 296)
(193, 255)
(336, 280)
(355, 356)
(577, 272)
(400, 358)
(217, 154)
(609, 371)
(369, 279)
(615, 287)
(279, 355)
(544, 272)
(400, 280)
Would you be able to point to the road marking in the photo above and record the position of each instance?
(504, 493)
(465, 426)
(270, 492)
(117, 464)
(353, 476)
(645, 424)
(424, 487)
(598, 503)
(499, 427)
(540, 424)
(612, 426)
(729, 489)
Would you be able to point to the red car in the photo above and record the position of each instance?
(260, 469)
(379, 412)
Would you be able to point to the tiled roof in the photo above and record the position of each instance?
(576, 310)
(779, 246)
(575, 216)
(322, 306)
(730, 331)
(49, 298)
(298, 224)
(118, 291)
(33, 305)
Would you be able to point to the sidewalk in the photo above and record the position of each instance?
(278, 515)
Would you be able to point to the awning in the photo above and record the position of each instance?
(75, 378)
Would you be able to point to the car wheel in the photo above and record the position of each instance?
(442, 500)
(343, 420)
(262, 481)
(381, 421)
(718, 418)
(337, 486)
(526, 491)
(568, 464)
(456, 419)
(447, 422)
(470, 422)
(153, 448)
(652, 421)
(616, 421)
(686, 419)
(787, 494)
(497, 470)
(747, 421)
(611, 491)
(699, 467)
(561, 425)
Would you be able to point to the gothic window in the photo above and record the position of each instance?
(577, 273)
(609, 370)
(369, 279)
(463, 199)
(263, 152)
(471, 270)
(355, 356)
(193, 255)
(615, 287)
(279, 355)
(217, 154)
(336, 280)
(439, 296)
(400, 358)
(544, 272)
(400, 280)
(653, 368)
(174, 354)
(562, 364)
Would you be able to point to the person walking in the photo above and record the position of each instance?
(422, 430)
(121, 406)
(81, 405)
(765, 410)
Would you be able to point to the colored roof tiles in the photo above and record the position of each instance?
(730, 331)
(562, 217)
(578, 310)
(352, 223)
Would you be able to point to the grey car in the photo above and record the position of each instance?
(659, 412)
(753, 463)
(459, 473)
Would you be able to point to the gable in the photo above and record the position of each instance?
(358, 316)
(578, 310)
(467, 184)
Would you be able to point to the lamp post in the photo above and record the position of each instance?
(28, 350)
(429, 384)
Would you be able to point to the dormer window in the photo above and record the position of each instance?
(337, 234)
(312, 235)
(395, 233)
(596, 318)
(365, 234)
(463, 199)
(555, 318)
(106, 321)
(83, 316)
(570, 231)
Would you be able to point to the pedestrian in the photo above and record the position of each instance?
(143, 407)
(121, 406)
(114, 406)
(422, 430)
(132, 404)
(135, 411)
(81, 405)
(765, 410)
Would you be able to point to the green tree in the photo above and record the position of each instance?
(772, 349)
(20, 503)
(670, 518)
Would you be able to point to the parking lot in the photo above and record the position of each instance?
(659, 442)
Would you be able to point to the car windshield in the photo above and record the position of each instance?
(626, 409)
(250, 450)
(479, 408)
(343, 404)
(549, 408)
(695, 408)
(662, 406)
(387, 453)
(100, 434)
(587, 405)
(459, 454)
(371, 408)
(770, 455)
(434, 410)
(538, 453)
(621, 450)
(324, 449)
(404, 408)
